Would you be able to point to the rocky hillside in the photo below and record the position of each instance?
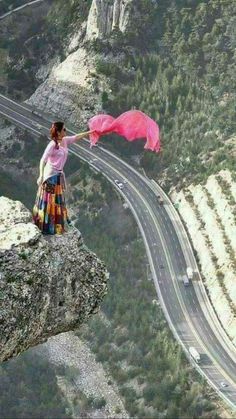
(87, 376)
(209, 212)
(49, 284)
(105, 17)
(75, 88)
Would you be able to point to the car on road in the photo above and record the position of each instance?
(223, 384)
(160, 200)
(162, 266)
(194, 354)
(92, 160)
(38, 126)
(189, 272)
(186, 281)
(119, 184)
(36, 113)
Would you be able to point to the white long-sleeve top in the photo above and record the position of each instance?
(53, 160)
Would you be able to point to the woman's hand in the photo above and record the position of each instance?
(84, 134)
(39, 180)
(90, 132)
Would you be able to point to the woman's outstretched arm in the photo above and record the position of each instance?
(83, 134)
(73, 138)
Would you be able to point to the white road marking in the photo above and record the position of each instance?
(19, 122)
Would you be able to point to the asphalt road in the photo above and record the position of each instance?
(184, 312)
(17, 9)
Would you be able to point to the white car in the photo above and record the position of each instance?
(119, 184)
(38, 126)
(223, 384)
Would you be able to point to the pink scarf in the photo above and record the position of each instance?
(131, 125)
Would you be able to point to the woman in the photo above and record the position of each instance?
(49, 211)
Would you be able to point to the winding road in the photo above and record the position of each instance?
(17, 9)
(187, 309)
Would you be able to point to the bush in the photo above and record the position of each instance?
(97, 403)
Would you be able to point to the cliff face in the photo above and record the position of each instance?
(48, 284)
(70, 90)
(73, 89)
(105, 16)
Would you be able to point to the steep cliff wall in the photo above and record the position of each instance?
(105, 16)
(73, 89)
(48, 284)
(69, 91)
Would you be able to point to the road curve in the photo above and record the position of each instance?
(17, 9)
(185, 311)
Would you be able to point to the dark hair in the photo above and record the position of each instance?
(55, 128)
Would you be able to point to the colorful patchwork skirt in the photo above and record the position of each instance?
(49, 211)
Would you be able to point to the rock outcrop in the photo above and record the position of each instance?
(70, 91)
(48, 284)
(92, 380)
(73, 89)
(105, 16)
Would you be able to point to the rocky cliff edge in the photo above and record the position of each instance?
(48, 284)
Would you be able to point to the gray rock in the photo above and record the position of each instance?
(105, 16)
(48, 284)
(72, 89)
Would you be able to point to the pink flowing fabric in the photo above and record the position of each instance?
(131, 125)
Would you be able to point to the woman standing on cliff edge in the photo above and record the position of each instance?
(49, 211)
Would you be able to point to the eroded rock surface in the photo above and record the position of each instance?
(48, 284)
(105, 16)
